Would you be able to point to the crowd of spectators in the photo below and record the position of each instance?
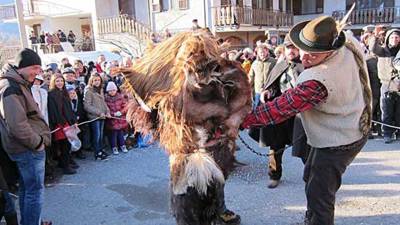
(50, 42)
(71, 93)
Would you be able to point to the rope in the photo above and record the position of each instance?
(366, 116)
(386, 125)
(90, 121)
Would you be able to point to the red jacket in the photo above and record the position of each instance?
(116, 103)
(98, 68)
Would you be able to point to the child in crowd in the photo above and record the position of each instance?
(40, 96)
(117, 104)
(80, 116)
(95, 106)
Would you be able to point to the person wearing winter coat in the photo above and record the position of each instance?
(281, 78)
(96, 107)
(260, 70)
(61, 116)
(116, 102)
(24, 132)
(40, 96)
(8, 174)
(389, 77)
(80, 116)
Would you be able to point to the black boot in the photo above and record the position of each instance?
(73, 164)
(69, 171)
(11, 219)
(80, 155)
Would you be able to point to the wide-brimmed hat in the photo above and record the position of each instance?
(318, 35)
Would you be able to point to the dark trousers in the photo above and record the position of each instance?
(323, 176)
(275, 163)
(62, 148)
(376, 115)
(117, 138)
(84, 135)
(390, 106)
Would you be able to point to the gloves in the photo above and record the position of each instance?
(118, 114)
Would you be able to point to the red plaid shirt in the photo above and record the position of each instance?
(299, 99)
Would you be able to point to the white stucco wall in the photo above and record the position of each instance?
(56, 6)
(329, 7)
(333, 5)
(176, 20)
(66, 24)
(142, 11)
(106, 8)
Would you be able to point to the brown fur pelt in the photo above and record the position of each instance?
(197, 101)
(189, 84)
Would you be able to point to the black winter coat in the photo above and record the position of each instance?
(60, 109)
(79, 111)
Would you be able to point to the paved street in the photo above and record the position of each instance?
(132, 189)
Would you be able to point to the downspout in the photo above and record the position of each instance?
(150, 15)
(205, 13)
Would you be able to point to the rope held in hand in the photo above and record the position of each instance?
(90, 121)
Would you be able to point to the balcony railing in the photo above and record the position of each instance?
(7, 12)
(47, 8)
(237, 15)
(8, 52)
(37, 8)
(371, 16)
(123, 24)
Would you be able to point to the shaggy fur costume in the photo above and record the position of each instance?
(198, 100)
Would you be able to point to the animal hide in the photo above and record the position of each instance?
(198, 100)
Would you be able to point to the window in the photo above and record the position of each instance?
(183, 4)
(179, 4)
(368, 4)
(164, 5)
(231, 2)
(127, 7)
(308, 7)
(225, 2)
(262, 4)
(289, 6)
(156, 5)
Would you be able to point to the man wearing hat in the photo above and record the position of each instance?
(24, 132)
(333, 98)
(281, 78)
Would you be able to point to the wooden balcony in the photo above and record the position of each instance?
(123, 24)
(236, 15)
(371, 16)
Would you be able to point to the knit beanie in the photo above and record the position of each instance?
(111, 86)
(27, 57)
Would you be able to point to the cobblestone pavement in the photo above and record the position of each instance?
(132, 189)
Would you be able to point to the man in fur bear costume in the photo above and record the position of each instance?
(192, 101)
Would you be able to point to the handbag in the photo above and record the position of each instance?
(60, 134)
